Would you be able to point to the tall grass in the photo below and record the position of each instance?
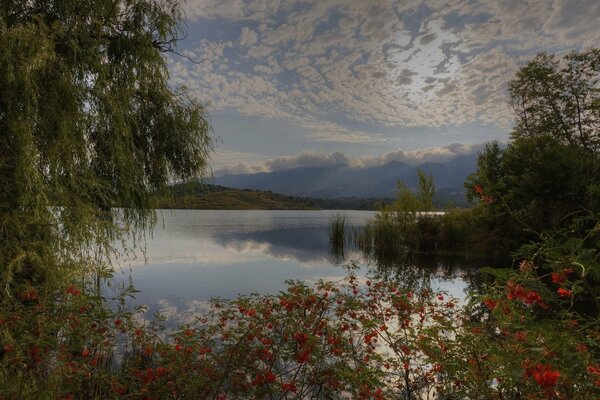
(391, 234)
(338, 230)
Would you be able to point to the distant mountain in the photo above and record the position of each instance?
(372, 182)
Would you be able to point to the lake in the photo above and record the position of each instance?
(195, 255)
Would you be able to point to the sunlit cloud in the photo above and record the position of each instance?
(346, 70)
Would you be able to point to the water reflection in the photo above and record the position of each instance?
(305, 245)
(197, 255)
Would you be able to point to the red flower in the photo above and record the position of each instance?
(528, 297)
(304, 355)
(270, 377)
(520, 336)
(544, 375)
(478, 189)
(300, 337)
(289, 387)
(564, 292)
(73, 290)
(490, 303)
(592, 369)
(558, 277)
(118, 322)
(581, 348)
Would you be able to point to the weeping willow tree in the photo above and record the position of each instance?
(89, 129)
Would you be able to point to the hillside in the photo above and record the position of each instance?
(202, 196)
(213, 197)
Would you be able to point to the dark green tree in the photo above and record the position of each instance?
(90, 128)
(559, 98)
(549, 174)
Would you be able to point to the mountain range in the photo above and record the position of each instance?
(346, 181)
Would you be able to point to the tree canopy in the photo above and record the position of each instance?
(549, 173)
(559, 98)
(88, 122)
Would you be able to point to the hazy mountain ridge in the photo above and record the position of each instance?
(336, 181)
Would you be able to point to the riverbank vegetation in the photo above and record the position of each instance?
(89, 77)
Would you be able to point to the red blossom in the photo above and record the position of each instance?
(300, 337)
(304, 355)
(520, 336)
(593, 369)
(490, 303)
(289, 387)
(270, 377)
(544, 375)
(581, 348)
(73, 291)
(527, 296)
(564, 292)
(546, 378)
(558, 277)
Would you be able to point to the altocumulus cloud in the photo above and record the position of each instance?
(365, 73)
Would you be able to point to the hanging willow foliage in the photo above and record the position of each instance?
(89, 129)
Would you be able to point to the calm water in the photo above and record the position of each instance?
(195, 255)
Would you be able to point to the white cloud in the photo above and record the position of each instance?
(390, 64)
(313, 159)
(248, 37)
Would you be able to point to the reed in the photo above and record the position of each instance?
(337, 236)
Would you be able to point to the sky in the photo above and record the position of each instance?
(291, 83)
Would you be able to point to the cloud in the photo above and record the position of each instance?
(248, 37)
(386, 64)
(306, 159)
(572, 19)
(416, 157)
(313, 159)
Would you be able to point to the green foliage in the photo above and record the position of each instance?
(88, 122)
(559, 99)
(422, 200)
(425, 191)
(550, 173)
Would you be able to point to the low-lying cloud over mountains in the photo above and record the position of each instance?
(338, 175)
(318, 160)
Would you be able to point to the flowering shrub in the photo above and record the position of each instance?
(350, 339)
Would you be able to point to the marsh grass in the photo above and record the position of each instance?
(392, 234)
(338, 233)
